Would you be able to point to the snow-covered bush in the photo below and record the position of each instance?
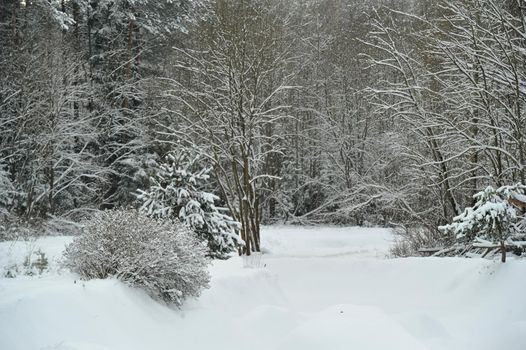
(35, 263)
(416, 240)
(177, 190)
(162, 257)
(491, 221)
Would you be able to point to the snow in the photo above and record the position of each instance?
(326, 241)
(520, 197)
(314, 288)
(15, 252)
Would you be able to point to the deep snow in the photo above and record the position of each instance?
(315, 288)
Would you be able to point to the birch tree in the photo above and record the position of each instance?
(228, 91)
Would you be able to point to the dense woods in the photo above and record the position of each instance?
(384, 112)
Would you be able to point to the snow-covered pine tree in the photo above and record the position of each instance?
(178, 190)
(492, 220)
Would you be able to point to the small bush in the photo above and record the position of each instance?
(162, 257)
(35, 263)
(411, 240)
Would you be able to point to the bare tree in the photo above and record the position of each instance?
(228, 92)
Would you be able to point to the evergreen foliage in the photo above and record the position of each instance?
(492, 219)
(178, 190)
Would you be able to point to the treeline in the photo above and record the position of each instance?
(77, 100)
(385, 112)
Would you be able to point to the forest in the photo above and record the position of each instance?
(263, 174)
(230, 114)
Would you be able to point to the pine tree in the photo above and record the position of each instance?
(178, 190)
(492, 219)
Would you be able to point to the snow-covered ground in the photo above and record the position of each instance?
(315, 288)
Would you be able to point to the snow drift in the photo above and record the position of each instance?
(316, 288)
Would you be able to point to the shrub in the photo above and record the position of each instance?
(414, 240)
(162, 257)
(35, 263)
